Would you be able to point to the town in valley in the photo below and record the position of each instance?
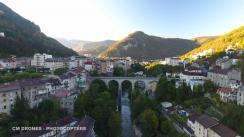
(140, 86)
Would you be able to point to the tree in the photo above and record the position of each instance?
(209, 86)
(118, 72)
(165, 90)
(114, 125)
(21, 109)
(113, 88)
(60, 71)
(148, 122)
(99, 104)
(100, 87)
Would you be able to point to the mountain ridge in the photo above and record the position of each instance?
(25, 36)
(139, 45)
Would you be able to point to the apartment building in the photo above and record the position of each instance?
(205, 126)
(8, 94)
(34, 90)
(227, 94)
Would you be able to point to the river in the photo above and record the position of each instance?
(127, 129)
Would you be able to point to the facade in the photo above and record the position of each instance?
(173, 61)
(224, 63)
(205, 126)
(8, 63)
(193, 77)
(76, 61)
(8, 94)
(106, 66)
(68, 81)
(227, 94)
(202, 124)
(124, 63)
(53, 84)
(23, 62)
(219, 77)
(89, 66)
(240, 96)
(38, 59)
(34, 90)
(54, 63)
(66, 99)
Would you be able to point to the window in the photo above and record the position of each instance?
(4, 107)
(4, 95)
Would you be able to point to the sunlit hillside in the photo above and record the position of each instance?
(234, 39)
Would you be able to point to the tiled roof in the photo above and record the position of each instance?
(194, 73)
(219, 71)
(193, 116)
(66, 76)
(31, 82)
(54, 60)
(86, 122)
(62, 93)
(206, 121)
(227, 90)
(224, 131)
(5, 87)
(54, 81)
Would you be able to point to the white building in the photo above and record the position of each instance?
(53, 63)
(205, 126)
(193, 76)
(227, 94)
(39, 59)
(8, 95)
(68, 81)
(240, 96)
(76, 61)
(224, 63)
(202, 124)
(172, 61)
(89, 66)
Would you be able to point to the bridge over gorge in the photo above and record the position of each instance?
(148, 82)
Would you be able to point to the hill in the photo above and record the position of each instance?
(139, 45)
(234, 38)
(24, 38)
(76, 45)
(95, 48)
(204, 39)
(87, 47)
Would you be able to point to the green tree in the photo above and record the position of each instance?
(113, 88)
(148, 122)
(100, 85)
(209, 86)
(60, 71)
(118, 72)
(114, 125)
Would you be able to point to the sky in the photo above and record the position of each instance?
(96, 20)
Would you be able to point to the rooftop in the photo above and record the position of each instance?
(206, 121)
(224, 131)
(5, 87)
(227, 90)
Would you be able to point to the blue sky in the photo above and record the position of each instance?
(114, 19)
